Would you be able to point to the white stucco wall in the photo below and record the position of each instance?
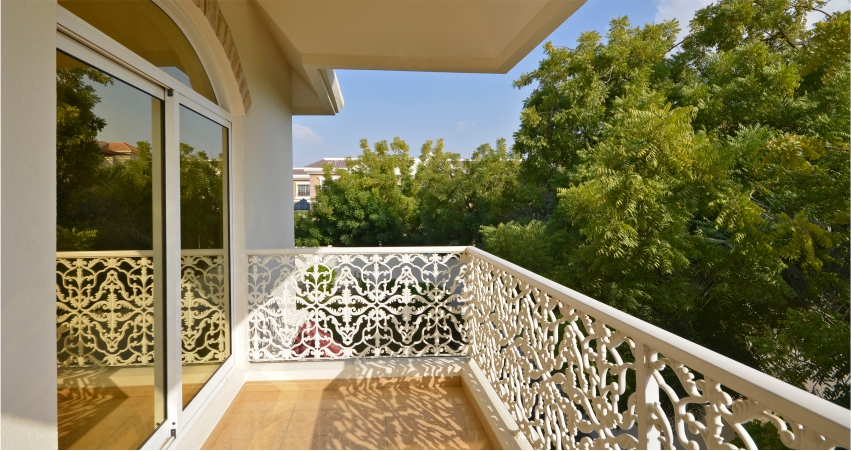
(267, 188)
(28, 162)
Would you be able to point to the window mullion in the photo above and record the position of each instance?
(171, 198)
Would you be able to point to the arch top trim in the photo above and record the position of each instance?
(211, 10)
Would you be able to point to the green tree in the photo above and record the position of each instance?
(372, 202)
(104, 206)
(456, 197)
(119, 205)
(702, 185)
(441, 196)
(201, 200)
(78, 155)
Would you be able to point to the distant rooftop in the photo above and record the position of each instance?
(116, 148)
(337, 163)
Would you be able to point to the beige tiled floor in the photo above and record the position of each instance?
(113, 407)
(330, 416)
(108, 417)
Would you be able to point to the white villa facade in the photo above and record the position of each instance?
(206, 327)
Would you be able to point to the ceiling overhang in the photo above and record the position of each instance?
(477, 36)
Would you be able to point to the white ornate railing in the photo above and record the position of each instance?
(327, 303)
(563, 365)
(105, 307)
(573, 372)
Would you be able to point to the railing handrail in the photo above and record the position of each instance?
(803, 406)
(360, 250)
(135, 253)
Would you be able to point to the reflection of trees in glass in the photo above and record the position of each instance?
(77, 152)
(99, 206)
(120, 205)
(110, 207)
(201, 216)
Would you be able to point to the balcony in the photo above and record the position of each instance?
(451, 347)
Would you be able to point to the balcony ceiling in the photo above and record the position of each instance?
(481, 36)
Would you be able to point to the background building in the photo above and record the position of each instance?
(308, 178)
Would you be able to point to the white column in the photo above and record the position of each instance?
(28, 227)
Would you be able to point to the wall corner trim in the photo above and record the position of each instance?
(214, 16)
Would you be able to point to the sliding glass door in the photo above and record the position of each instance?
(109, 149)
(143, 265)
(204, 243)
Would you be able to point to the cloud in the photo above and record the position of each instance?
(682, 10)
(461, 125)
(307, 135)
(831, 7)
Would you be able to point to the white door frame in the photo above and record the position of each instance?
(79, 39)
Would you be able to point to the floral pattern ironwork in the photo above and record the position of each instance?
(564, 376)
(313, 306)
(702, 407)
(105, 310)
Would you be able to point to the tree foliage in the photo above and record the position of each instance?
(201, 202)
(370, 204)
(703, 186)
(456, 197)
(103, 206)
(77, 152)
(386, 196)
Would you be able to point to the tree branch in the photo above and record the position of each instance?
(786, 38)
(678, 43)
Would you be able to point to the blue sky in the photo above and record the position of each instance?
(466, 110)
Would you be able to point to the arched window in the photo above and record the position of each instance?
(142, 27)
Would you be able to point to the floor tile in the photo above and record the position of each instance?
(373, 440)
(93, 436)
(250, 425)
(337, 422)
(304, 423)
(265, 402)
(352, 416)
(472, 439)
(301, 442)
(320, 404)
(273, 442)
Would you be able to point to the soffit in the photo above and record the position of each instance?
(488, 36)
(483, 36)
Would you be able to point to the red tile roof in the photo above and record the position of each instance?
(299, 172)
(337, 163)
(118, 147)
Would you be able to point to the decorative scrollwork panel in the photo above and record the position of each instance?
(204, 322)
(702, 414)
(570, 381)
(105, 310)
(561, 373)
(313, 306)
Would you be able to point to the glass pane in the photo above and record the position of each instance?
(203, 237)
(108, 137)
(142, 27)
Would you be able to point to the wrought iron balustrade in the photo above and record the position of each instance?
(573, 372)
(105, 307)
(344, 303)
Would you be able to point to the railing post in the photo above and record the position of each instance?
(647, 390)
